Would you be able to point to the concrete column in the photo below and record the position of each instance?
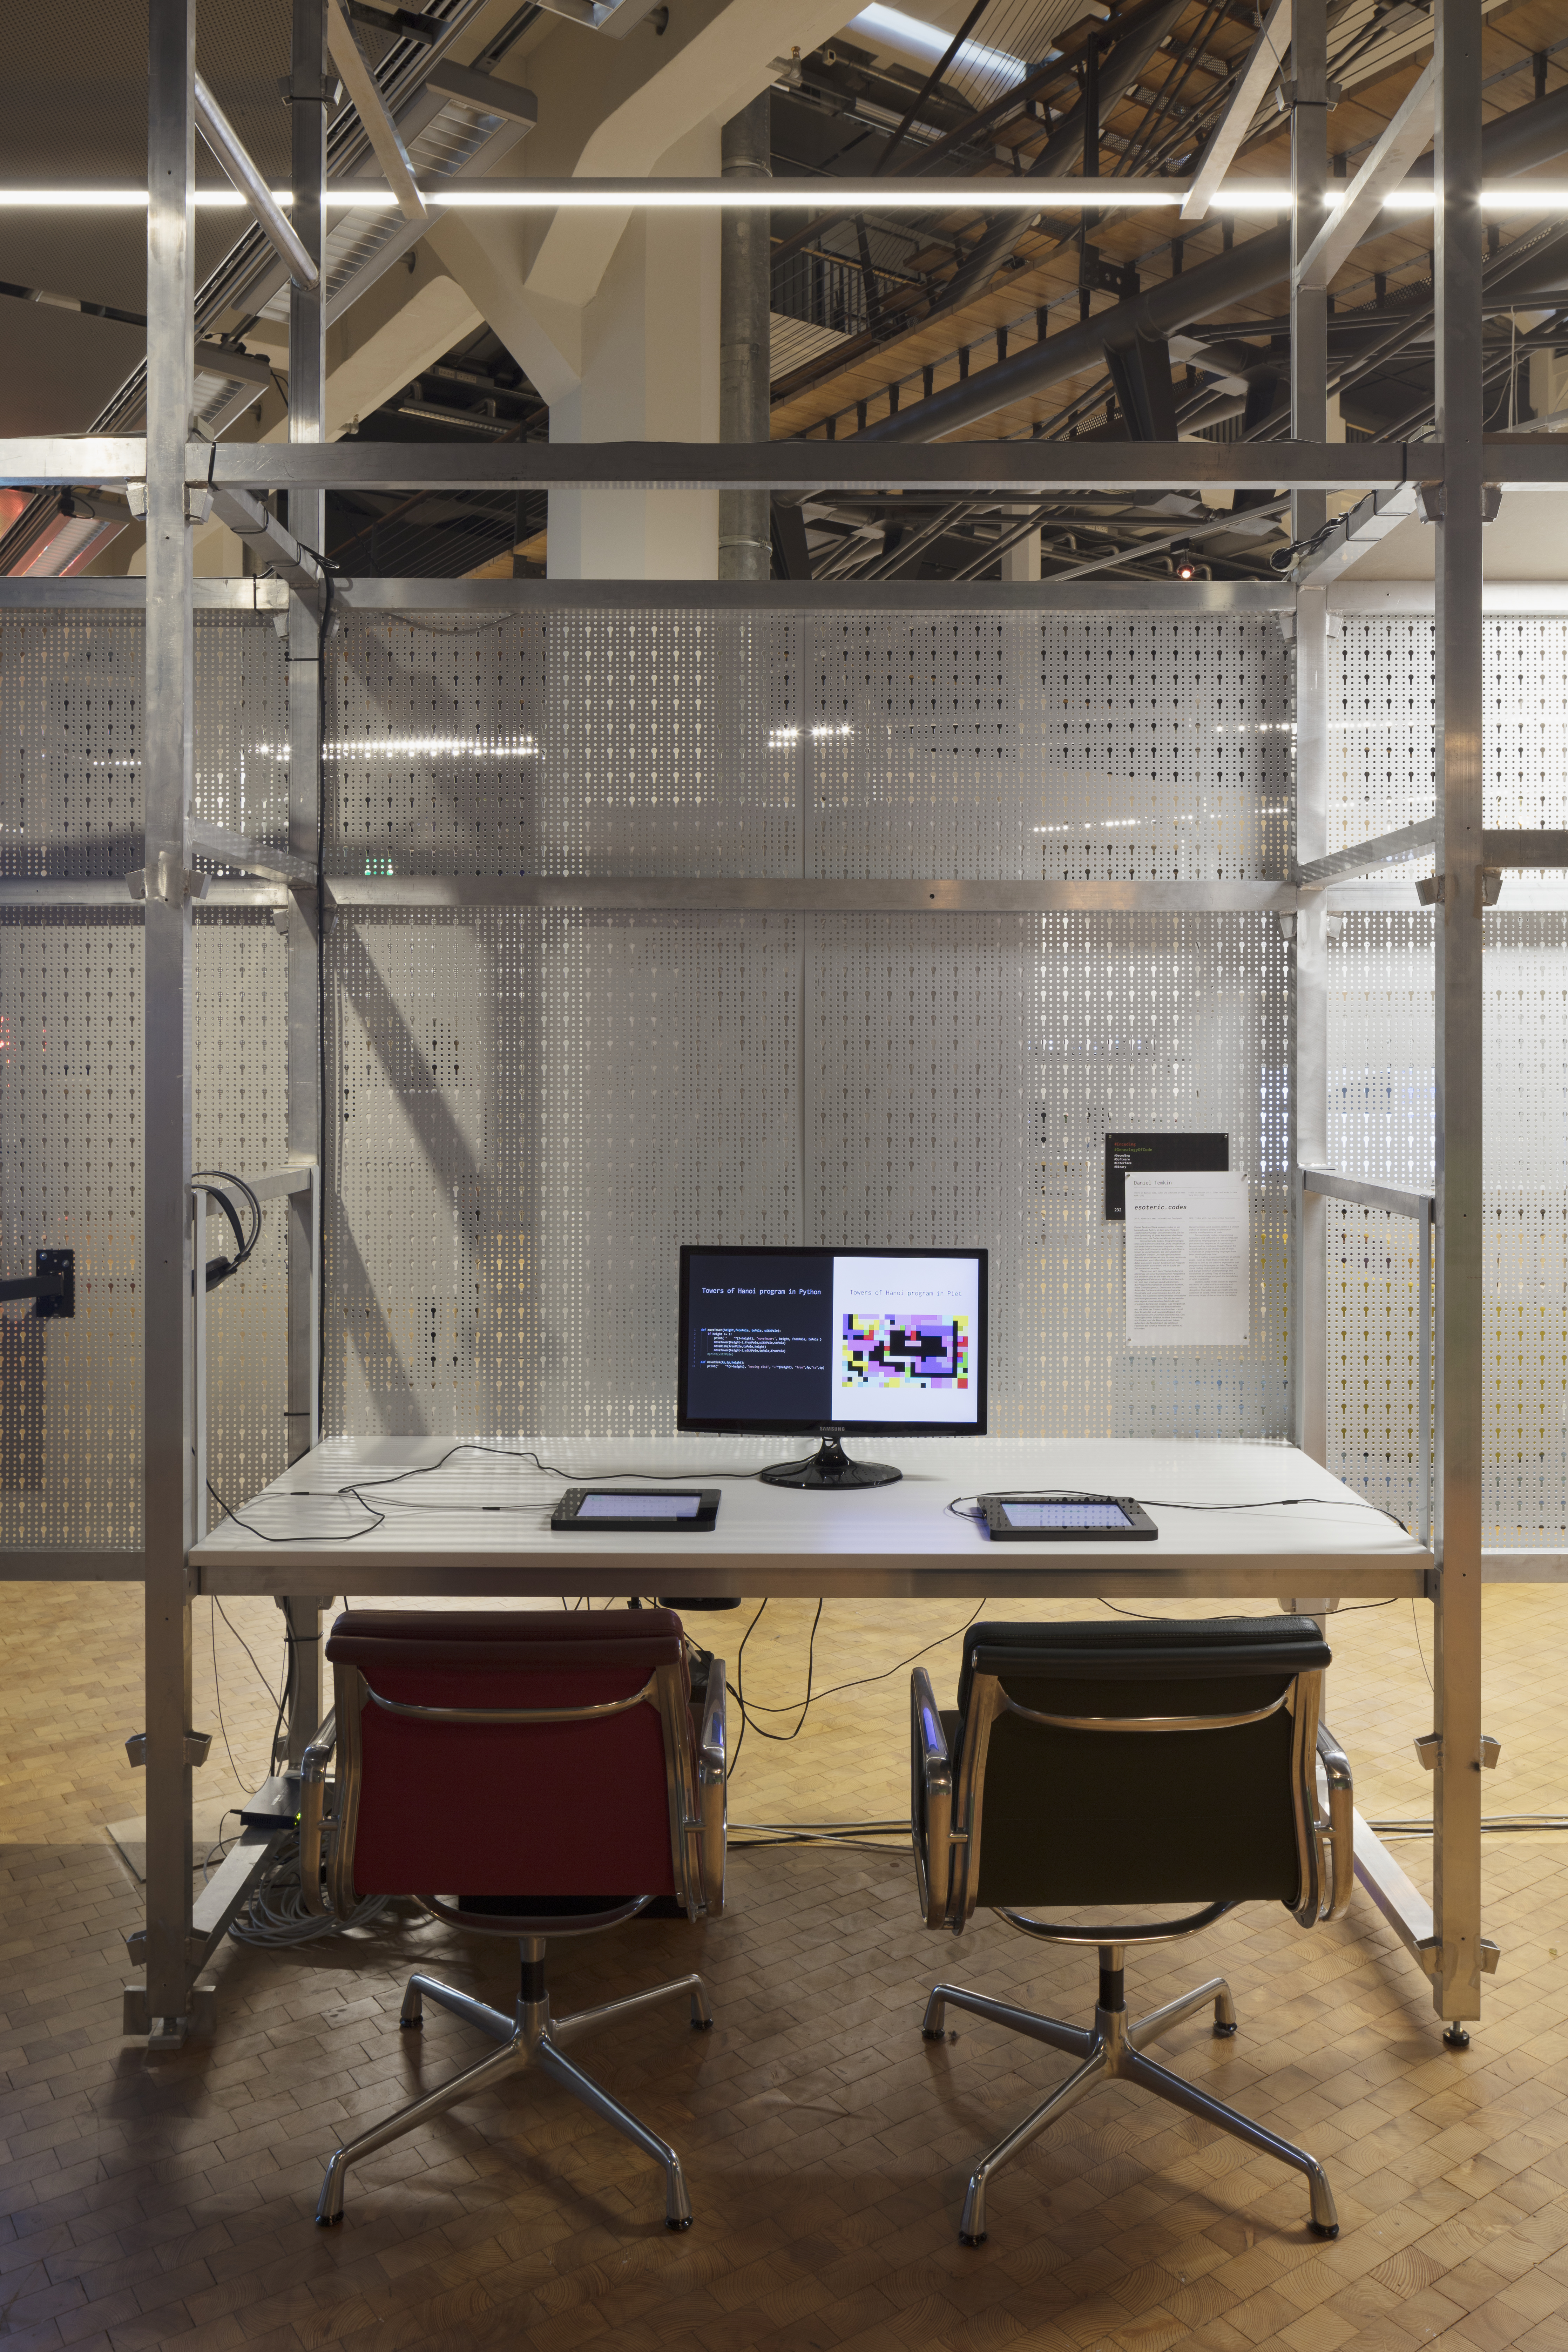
(650, 372)
(745, 277)
(1022, 559)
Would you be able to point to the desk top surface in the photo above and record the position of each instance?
(479, 1524)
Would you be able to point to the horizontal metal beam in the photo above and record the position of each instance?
(277, 1182)
(1398, 1202)
(1520, 847)
(250, 856)
(1176, 599)
(803, 466)
(1369, 856)
(43, 894)
(117, 593)
(788, 895)
(48, 1567)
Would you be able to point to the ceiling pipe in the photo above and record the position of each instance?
(1514, 143)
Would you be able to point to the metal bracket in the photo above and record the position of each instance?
(1429, 1751)
(174, 881)
(1286, 98)
(1491, 500)
(1429, 890)
(1429, 502)
(1286, 923)
(1488, 885)
(198, 502)
(197, 1746)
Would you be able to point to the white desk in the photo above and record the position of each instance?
(439, 1537)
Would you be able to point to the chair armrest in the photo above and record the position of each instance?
(312, 1805)
(931, 1800)
(1340, 1821)
(712, 1788)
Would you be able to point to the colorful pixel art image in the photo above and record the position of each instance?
(888, 1351)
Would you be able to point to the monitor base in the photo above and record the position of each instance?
(830, 1470)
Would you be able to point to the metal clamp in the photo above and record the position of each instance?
(173, 881)
(1429, 1751)
(198, 1745)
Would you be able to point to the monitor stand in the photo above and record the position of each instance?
(830, 1468)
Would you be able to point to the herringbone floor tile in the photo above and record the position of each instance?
(151, 2200)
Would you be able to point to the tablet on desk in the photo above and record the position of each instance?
(1067, 1519)
(610, 1510)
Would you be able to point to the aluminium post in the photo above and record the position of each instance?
(1457, 269)
(307, 521)
(167, 1406)
(1308, 421)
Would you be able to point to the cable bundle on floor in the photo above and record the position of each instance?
(275, 1912)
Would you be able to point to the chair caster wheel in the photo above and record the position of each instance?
(933, 2033)
(965, 2240)
(1324, 2229)
(682, 2222)
(1224, 2032)
(328, 2220)
(1456, 2038)
(702, 2025)
(410, 2024)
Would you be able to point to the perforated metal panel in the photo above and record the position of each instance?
(537, 1110)
(1382, 1103)
(70, 1061)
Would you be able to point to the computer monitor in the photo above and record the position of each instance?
(887, 1342)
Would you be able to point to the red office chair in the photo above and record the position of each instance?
(502, 1751)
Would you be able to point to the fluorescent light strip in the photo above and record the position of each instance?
(842, 195)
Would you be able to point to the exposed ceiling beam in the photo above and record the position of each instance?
(1382, 173)
(1266, 60)
(372, 109)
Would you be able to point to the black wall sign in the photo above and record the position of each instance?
(1158, 1155)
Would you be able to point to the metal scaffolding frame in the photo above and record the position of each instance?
(179, 473)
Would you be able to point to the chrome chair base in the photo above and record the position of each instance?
(1113, 2046)
(530, 2037)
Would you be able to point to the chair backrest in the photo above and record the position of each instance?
(513, 1753)
(1207, 1794)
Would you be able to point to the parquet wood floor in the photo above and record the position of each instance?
(150, 2200)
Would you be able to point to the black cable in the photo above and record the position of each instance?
(861, 1680)
(803, 1704)
(1416, 1629)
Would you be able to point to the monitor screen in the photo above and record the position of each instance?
(882, 1340)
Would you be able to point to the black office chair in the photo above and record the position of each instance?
(1046, 1788)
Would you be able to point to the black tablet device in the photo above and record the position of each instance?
(612, 1511)
(1067, 1519)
